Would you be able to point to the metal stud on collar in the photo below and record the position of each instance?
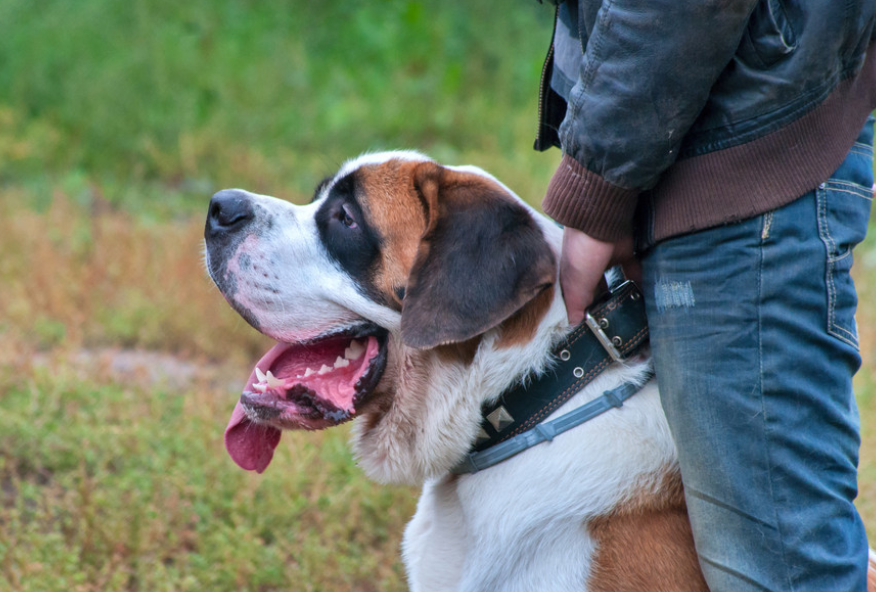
(565, 355)
(500, 419)
(578, 372)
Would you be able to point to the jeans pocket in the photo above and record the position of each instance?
(843, 214)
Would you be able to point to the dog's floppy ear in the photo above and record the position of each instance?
(482, 257)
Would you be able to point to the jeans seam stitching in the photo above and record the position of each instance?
(845, 255)
(861, 148)
(841, 337)
(766, 429)
(862, 192)
(833, 328)
(830, 246)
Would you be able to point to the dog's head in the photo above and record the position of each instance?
(393, 249)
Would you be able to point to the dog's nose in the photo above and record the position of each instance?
(230, 209)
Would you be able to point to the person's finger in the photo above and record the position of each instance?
(577, 295)
(582, 264)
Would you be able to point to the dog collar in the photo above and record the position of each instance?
(613, 329)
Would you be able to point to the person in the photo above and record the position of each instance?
(729, 146)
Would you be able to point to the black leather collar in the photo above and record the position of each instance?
(615, 327)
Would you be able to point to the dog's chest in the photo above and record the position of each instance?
(463, 538)
(523, 524)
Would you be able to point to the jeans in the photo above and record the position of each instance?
(755, 344)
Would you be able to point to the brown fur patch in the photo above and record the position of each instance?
(401, 213)
(646, 544)
(462, 352)
(395, 211)
(520, 327)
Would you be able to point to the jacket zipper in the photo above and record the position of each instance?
(544, 85)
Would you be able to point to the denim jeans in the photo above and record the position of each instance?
(755, 344)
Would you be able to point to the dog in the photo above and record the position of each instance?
(407, 295)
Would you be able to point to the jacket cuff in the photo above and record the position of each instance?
(583, 200)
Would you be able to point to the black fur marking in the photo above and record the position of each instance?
(357, 248)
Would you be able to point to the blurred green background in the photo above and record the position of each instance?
(156, 102)
(120, 362)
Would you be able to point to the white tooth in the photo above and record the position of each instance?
(354, 352)
(341, 362)
(260, 387)
(273, 381)
(308, 372)
(324, 370)
(260, 375)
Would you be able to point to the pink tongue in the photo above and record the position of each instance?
(250, 445)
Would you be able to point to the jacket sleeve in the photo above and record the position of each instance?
(644, 77)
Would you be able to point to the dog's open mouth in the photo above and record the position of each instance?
(309, 386)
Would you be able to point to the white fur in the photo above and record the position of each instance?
(518, 526)
(314, 299)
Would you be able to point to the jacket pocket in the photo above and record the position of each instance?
(843, 212)
(769, 36)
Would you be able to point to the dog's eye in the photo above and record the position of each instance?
(346, 218)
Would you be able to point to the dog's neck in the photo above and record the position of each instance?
(448, 385)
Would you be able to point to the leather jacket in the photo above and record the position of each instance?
(633, 89)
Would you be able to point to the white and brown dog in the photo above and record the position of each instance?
(408, 294)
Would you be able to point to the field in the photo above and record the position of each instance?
(120, 362)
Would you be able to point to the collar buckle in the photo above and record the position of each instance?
(598, 324)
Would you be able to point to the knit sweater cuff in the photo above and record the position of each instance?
(585, 201)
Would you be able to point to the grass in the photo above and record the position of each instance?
(153, 104)
(118, 120)
(109, 486)
(120, 362)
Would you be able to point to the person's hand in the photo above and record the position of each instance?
(583, 262)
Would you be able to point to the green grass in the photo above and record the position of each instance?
(110, 486)
(155, 104)
(118, 119)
